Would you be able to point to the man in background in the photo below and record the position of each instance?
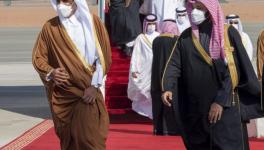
(235, 21)
(164, 120)
(125, 23)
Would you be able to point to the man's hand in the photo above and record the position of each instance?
(134, 74)
(167, 98)
(127, 3)
(60, 76)
(215, 113)
(107, 2)
(90, 95)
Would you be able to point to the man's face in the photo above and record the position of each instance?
(70, 8)
(181, 18)
(66, 2)
(151, 27)
(234, 23)
(181, 15)
(199, 13)
(199, 6)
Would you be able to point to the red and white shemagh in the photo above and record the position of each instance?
(217, 18)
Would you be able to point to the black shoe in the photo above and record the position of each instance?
(158, 132)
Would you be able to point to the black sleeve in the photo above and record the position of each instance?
(248, 81)
(172, 69)
(223, 96)
(249, 89)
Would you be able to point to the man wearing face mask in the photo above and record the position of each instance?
(260, 55)
(164, 121)
(72, 55)
(182, 19)
(260, 71)
(140, 68)
(235, 21)
(164, 9)
(210, 82)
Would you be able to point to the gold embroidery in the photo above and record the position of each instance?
(77, 52)
(167, 35)
(201, 50)
(230, 59)
(147, 40)
(162, 80)
(99, 50)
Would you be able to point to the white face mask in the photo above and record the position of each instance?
(151, 28)
(181, 19)
(197, 16)
(64, 10)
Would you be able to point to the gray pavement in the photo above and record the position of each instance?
(21, 91)
(253, 30)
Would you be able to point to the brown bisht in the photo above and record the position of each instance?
(260, 54)
(260, 62)
(78, 125)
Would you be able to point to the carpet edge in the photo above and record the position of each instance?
(29, 136)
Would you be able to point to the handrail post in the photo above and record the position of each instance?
(101, 9)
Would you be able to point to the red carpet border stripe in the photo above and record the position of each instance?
(29, 136)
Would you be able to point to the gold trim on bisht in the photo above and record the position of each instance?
(230, 58)
(165, 69)
(99, 50)
(167, 35)
(76, 51)
(231, 63)
(147, 40)
(201, 50)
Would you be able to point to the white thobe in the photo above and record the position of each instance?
(184, 26)
(141, 62)
(165, 9)
(75, 30)
(247, 44)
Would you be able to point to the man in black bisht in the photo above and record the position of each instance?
(164, 121)
(219, 91)
(125, 23)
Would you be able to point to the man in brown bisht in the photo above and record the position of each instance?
(260, 61)
(260, 54)
(72, 55)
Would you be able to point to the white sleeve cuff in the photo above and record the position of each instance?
(97, 79)
(48, 76)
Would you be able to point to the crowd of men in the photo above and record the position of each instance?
(199, 65)
(190, 71)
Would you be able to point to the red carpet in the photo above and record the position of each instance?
(125, 134)
(127, 131)
(116, 84)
